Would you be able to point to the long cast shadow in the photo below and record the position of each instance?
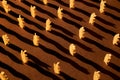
(52, 6)
(27, 20)
(88, 4)
(8, 19)
(96, 66)
(72, 15)
(82, 11)
(14, 14)
(18, 7)
(40, 19)
(76, 9)
(10, 55)
(44, 72)
(40, 9)
(102, 47)
(37, 61)
(56, 44)
(66, 12)
(16, 35)
(71, 40)
(25, 11)
(104, 29)
(105, 22)
(71, 22)
(94, 33)
(16, 22)
(97, 1)
(62, 29)
(62, 3)
(63, 58)
(39, 1)
(33, 58)
(66, 77)
(113, 8)
(112, 16)
(68, 60)
(98, 18)
(114, 66)
(88, 14)
(13, 71)
(56, 26)
(1, 9)
(14, 47)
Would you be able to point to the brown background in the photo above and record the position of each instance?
(54, 45)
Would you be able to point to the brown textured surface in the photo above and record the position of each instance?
(54, 45)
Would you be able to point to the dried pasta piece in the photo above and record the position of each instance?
(107, 58)
(36, 39)
(5, 6)
(20, 22)
(81, 32)
(6, 39)
(102, 6)
(48, 26)
(116, 39)
(56, 67)
(32, 10)
(45, 2)
(96, 75)
(71, 3)
(3, 76)
(72, 49)
(92, 18)
(59, 13)
(24, 56)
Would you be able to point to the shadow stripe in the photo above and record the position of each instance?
(16, 35)
(113, 8)
(94, 33)
(8, 19)
(96, 66)
(112, 16)
(71, 40)
(100, 46)
(44, 72)
(27, 20)
(13, 71)
(57, 45)
(104, 29)
(66, 77)
(114, 66)
(18, 7)
(63, 58)
(40, 9)
(10, 55)
(62, 29)
(88, 4)
(71, 22)
(105, 22)
(62, 3)
(82, 11)
(72, 15)
(56, 26)
(33, 58)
